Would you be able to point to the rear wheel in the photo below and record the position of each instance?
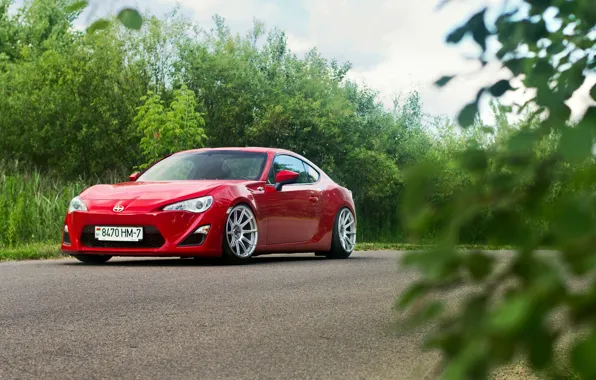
(344, 235)
(241, 235)
(92, 259)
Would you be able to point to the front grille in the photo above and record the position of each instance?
(151, 239)
(193, 240)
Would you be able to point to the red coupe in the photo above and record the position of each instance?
(230, 202)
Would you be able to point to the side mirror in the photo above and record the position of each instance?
(133, 177)
(285, 177)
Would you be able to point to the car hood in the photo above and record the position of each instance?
(160, 191)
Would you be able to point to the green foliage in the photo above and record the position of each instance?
(131, 18)
(34, 204)
(38, 251)
(172, 129)
(531, 186)
(67, 100)
(99, 24)
(77, 6)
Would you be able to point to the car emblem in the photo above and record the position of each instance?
(118, 208)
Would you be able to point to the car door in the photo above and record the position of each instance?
(291, 216)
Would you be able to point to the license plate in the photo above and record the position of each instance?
(119, 233)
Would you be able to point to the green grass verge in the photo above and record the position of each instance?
(414, 247)
(36, 251)
(40, 251)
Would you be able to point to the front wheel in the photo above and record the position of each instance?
(344, 235)
(92, 259)
(241, 235)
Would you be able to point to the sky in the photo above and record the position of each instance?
(394, 46)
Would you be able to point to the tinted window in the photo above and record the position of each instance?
(236, 165)
(283, 162)
(312, 174)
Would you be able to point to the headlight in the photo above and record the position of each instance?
(192, 205)
(77, 204)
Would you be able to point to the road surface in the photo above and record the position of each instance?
(280, 317)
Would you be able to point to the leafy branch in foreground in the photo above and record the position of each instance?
(538, 186)
(129, 17)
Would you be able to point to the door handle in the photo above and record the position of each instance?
(260, 188)
(314, 199)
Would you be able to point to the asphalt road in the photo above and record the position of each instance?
(280, 317)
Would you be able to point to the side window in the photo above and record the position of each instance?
(312, 174)
(283, 162)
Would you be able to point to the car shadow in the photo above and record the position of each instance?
(211, 262)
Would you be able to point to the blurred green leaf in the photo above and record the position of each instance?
(98, 25)
(576, 144)
(475, 160)
(413, 293)
(443, 81)
(555, 48)
(457, 34)
(77, 6)
(593, 92)
(131, 18)
(429, 311)
(504, 224)
(540, 344)
(500, 88)
(582, 357)
(467, 114)
(515, 65)
(448, 341)
(511, 314)
(478, 28)
(522, 141)
(589, 120)
(479, 265)
(465, 365)
(572, 217)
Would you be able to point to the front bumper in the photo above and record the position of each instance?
(165, 233)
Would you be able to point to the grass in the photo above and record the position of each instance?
(34, 251)
(50, 250)
(33, 205)
(370, 246)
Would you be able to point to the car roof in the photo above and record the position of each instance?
(245, 149)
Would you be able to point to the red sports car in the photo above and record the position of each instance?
(230, 202)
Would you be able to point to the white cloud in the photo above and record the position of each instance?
(407, 39)
(299, 44)
(238, 13)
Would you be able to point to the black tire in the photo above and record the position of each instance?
(228, 254)
(337, 250)
(92, 259)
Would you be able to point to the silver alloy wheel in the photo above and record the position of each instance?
(347, 230)
(241, 231)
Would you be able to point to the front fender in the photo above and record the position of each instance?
(229, 197)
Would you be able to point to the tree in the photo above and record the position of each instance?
(168, 130)
(68, 99)
(538, 183)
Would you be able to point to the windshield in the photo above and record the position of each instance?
(233, 165)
